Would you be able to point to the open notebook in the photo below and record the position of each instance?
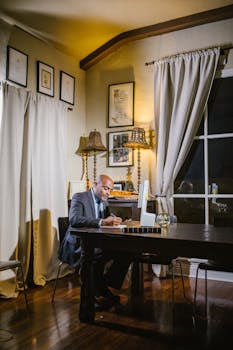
(114, 227)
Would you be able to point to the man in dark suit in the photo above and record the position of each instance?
(90, 209)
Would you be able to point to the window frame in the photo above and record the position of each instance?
(225, 73)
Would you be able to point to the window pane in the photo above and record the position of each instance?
(192, 170)
(201, 128)
(220, 106)
(190, 210)
(220, 208)
(221, 165)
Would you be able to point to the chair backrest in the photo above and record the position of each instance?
(63, 223)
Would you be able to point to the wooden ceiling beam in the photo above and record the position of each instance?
(154, 30)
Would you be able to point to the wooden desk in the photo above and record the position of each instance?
(189, 240)
(128, 208)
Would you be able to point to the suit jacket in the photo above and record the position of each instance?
(81, 214)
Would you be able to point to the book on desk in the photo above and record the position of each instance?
(133, 229)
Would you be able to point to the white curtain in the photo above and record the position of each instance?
(14, 104)
(182, 85)
(33, 182)
(47, 133)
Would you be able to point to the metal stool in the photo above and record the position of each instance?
(12, 264)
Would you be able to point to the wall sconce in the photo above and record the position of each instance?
(138, 141)
(84, 154)
(95, 145)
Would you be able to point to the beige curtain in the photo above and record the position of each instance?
(182, 85)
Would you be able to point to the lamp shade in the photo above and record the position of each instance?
(95, 142)
(83, 141)
(137, 139)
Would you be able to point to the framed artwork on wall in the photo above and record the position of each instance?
(121, 105)
(119, 156)
(117, 186)
(67, 87)
(17, 66)
(45, 79)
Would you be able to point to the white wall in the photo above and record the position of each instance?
(128, 64)
(125, 64)
(38, 50)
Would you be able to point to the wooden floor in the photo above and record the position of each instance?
(146, 323)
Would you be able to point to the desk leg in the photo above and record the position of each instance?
(86, 310)
(137, 279)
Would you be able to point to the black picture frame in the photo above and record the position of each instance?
(119, 156)
(17, 66)
(67, 88)
(121, 104)
(45, 79)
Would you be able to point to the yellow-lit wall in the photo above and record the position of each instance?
(125, 64)
(128, 64)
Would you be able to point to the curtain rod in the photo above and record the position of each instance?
(222, 49)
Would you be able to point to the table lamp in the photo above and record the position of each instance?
(95, 145)
(84, 154)
(138, 141)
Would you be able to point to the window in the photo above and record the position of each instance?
(203, 188)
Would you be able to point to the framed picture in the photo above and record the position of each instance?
(118, 155)
(117, 186)
(121, 105)
(67, 85)
(45, 79)
(17, 66)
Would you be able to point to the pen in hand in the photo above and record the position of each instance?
(118, 220)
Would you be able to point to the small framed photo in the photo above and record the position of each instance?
(67, 87)
(117, 186)
(119, 156)
(17, 66)
(121, 105)
(45, 78)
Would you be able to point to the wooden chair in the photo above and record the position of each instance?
(137, 288)
(211, 266)
(13, 264)
(63, 223)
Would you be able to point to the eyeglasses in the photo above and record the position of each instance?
(106, 188)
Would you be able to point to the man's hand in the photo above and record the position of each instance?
(111, 221)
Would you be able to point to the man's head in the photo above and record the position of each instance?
(102, 187)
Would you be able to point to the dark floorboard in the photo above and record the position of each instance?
(143, 323)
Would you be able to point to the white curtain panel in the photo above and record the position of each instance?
(14, 103)
(47, 134)
(182, 85)
(33, 182)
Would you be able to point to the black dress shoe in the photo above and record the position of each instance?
(106, 303)
(107, 294)
(98, 306)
